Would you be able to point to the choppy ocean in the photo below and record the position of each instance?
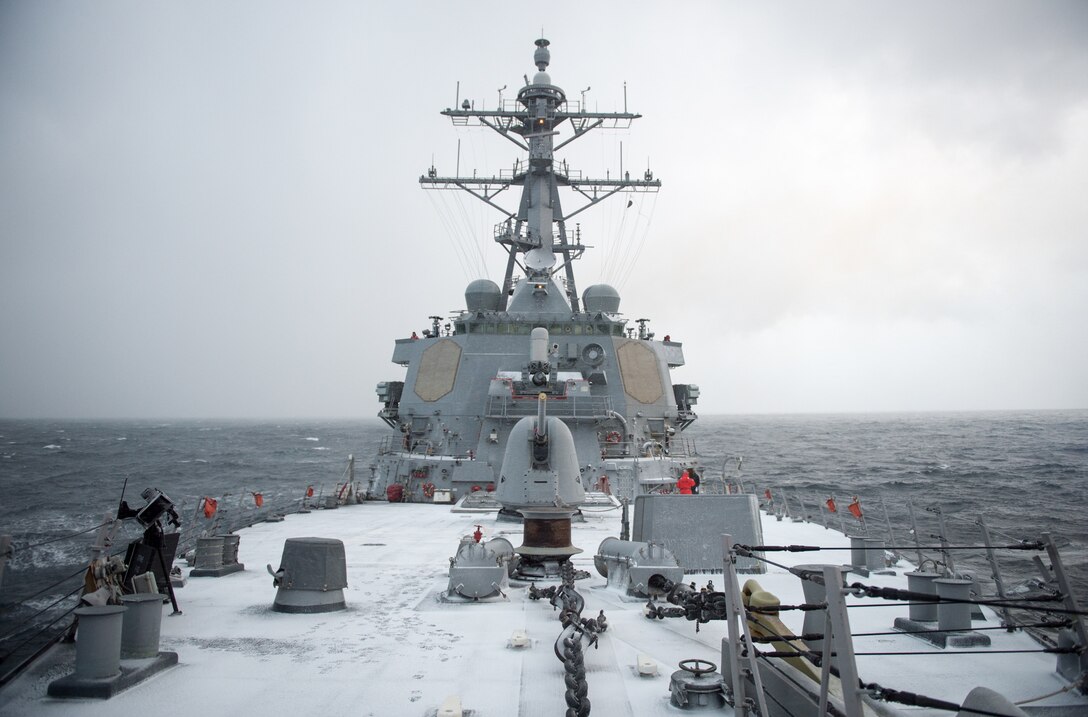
(1024, 472)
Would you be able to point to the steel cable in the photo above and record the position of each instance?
(63, 537)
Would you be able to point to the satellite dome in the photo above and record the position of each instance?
(542, 78)
(482, 295)
(601, 297)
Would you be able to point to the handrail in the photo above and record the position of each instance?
(952, 533)
(837, 637)
(30, 630)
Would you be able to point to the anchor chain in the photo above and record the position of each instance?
(698, 605)
(575, 678)
(568, 646)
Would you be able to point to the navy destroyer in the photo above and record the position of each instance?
(473, 375)
(542, 393)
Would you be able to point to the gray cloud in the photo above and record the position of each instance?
(212, 210)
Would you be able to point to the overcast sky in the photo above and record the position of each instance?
(212, 209)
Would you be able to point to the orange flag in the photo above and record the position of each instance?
(767, 493)
(831, 505)
(210, 506)
(855, 508)
(258, 499)
(309, 491)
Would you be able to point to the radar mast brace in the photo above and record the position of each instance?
(538, 110)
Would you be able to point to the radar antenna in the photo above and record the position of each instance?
(536, 233)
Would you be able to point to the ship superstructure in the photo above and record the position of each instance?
(471, 377)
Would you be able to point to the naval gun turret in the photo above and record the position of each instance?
(540, 480)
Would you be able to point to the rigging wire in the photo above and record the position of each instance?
(467, 228)
(906, 595)
(899, 633)
(26, 621)
(628, 238)
(441, 209)
(877, 691)
(641, 241)
(453, 206)
(1076, 684)
(1025, 545)
(460, 217)
(473, 233)
(82, 569)
(620, 242)
(609, 242)
(63, 537)
(39, 633)
(478, 231)
(885, 694)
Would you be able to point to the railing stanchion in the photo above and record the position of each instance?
(844, 644)
(805, 513)
(5, 553)
(842, 525)
(950, 566)
(914, 532)
(740, 641)
(888, 524)
(825, 665)
(1070, 602)
(995, 571)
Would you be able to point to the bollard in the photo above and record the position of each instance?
(866, 552)
(217, 556)
(98, 641)
(874, 554)
(230, 548)
(858, 555)
(209, 553)
(953, 615)
(922, 582)
(141, 625)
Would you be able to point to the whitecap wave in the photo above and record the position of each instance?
(321, 448)
(51, 446)
(311, 438)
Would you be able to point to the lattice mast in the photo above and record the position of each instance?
(536, 233)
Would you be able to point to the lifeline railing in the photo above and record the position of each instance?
(32, 621)
(870, 517)
(747, 686)
(840, 646)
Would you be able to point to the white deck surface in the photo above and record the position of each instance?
(399, 650)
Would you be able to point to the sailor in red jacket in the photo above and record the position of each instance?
(685, 484)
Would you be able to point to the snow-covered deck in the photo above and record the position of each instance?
(400, 650)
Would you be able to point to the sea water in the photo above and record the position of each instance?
(1023, 472)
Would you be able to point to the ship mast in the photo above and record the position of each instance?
(536, 233)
